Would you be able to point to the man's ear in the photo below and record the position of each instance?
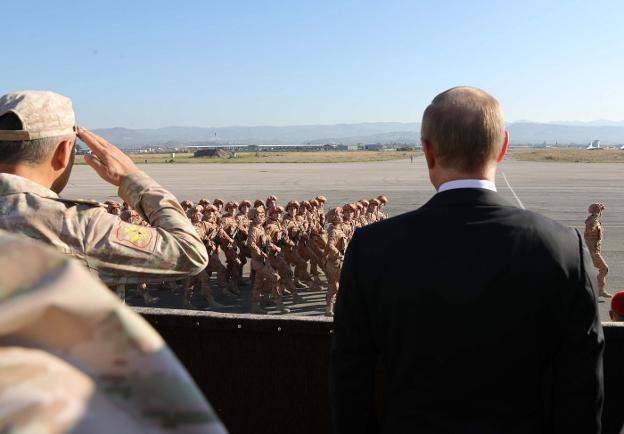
(429, 155)
(503, 151)
(63, 154)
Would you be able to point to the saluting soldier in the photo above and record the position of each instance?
(37, 139)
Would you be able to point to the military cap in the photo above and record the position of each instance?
(279, 209)
(374, 202)
(347, 206)
(255, 211)
(210, 208)
(258, 203)
(244, 203)
(617, 303)
(358, 205)
(184, 203)
(231, 204)
(383, 199)
(305, 204)
(595, 208)
(292, 203)
(204, 201)
(364, 202)
(275, 209)
(332, 213)
(321, 199)
(271, 197)
(198, 208)
(41, 113)
(314, 202)
(217, 201)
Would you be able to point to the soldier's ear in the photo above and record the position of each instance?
(63, 155)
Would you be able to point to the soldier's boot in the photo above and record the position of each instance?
(232, 289)
(120, 290)
(212, 303)
(147, 298)
(256, 309)
(297, 299)
(604, 293)
(300, 284)
(280, 305)
(329, 310)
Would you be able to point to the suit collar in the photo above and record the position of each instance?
(467, 196)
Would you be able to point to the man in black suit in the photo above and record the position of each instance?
(482, 316)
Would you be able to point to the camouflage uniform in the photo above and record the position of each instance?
(334, 253)
(291, 253)
(266, 278)
(233, 262)
(320, 211)
(75, 359)
(202, 228)
(383, 201)
(371, 213)
(242, 219)
(215, 237)
(593, 239)
(119, 252)
(278, 236)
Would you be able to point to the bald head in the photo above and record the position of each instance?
(465, 129)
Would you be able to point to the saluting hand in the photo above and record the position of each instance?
(107, 160)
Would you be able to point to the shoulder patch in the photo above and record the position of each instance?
(140, 237)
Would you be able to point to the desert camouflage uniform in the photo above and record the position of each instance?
(266, 278)
(593, 238)
(119, 252)
(233, 262)
(278, 236)
(334, 254)
(215, 237)
(291, 252)
(202, 278)
(74, 359)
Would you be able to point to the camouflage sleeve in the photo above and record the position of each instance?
(170, 249)
(74, 358)
(252, 242)
(330, 248)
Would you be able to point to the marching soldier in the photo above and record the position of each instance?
(593, 238)
(203, 278)
(334, 254)
(371, 213)
(279, 237)
(290, 224)
(271, 202)
(233, 262)
(321, 209)
(383, 201)
(242, 219)
(266, 278)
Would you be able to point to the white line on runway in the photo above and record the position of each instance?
(512, 191)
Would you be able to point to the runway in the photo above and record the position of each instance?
(561, 191)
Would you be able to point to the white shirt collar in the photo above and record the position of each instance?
(467, 183)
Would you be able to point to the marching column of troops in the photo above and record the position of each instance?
(287, 246)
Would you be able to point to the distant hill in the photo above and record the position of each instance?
(375, 132)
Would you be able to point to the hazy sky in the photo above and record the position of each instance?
(144, 64)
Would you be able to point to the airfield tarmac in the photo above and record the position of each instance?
(561, 191)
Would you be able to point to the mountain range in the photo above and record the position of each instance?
(522, 133)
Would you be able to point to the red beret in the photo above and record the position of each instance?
(617, 303)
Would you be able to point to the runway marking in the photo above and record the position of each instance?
(512, 190)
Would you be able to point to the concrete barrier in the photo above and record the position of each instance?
(268, 374)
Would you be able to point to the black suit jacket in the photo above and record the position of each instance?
(483, 317)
